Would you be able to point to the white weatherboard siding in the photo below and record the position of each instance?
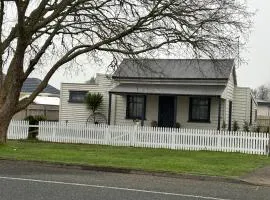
(241, 106)
(228, 95)
(229, 90)
(77, 112)
(151, 109)
(151, 113)
(182, 115)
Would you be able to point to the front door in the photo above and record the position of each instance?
(166, 111)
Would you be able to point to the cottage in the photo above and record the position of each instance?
(191, 93)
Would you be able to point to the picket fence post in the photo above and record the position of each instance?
(54, 133)
(132, 135)
(268, 146)
(107, 135)
(173, 135)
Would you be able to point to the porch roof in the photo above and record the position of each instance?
(191, 90)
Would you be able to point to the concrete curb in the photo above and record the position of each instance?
(134, 171)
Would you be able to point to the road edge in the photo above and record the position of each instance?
(110, 169)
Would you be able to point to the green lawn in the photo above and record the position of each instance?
(192, 162)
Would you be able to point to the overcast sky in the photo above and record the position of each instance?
(253, 74)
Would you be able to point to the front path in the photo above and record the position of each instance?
(260, 176)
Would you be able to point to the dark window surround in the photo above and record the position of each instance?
(128, 102)
(80, 93)
(230, 116)
(191, 118)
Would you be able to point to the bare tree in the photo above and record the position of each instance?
(262, 92)
(92, 80)
(54, 33)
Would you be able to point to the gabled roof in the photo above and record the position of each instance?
(31, 84)
(174, 69)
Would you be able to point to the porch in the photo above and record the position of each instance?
(196, 106)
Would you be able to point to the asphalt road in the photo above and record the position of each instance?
(28, 181)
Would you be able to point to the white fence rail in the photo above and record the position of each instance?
(169, 138)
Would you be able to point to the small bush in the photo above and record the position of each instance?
(256, 129)
(246, 127)
(154, 123)
(34, 120)
(235, 126)
(177, 125)
(224, 125)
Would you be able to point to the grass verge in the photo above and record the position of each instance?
(157, 160)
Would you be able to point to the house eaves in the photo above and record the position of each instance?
(192, 90)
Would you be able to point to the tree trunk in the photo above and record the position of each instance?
(4, 123)
(7, 110)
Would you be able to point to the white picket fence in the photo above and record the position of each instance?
(149, 137)
(18, 130)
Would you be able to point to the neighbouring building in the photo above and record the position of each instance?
(45, 104)
(263, 112)
(263, 108)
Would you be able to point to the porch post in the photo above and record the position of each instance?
(109, 109)
(143, 114)
(219, 112)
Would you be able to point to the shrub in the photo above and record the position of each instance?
(224, 125)
(256, 129)
(34, 120)
(235, 126)
(177, 125)
(246, 127)
(154, 123)
(93, 102)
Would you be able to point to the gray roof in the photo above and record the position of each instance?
(209, 90)
(30, 84)
(175, 69)
(263, 102)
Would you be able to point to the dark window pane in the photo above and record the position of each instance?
(135, 106)
(199, 109)
(77, 96)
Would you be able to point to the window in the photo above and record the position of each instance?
(135, 107)
(199, 109)
(77, 96)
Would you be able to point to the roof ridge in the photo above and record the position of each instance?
(186, 59)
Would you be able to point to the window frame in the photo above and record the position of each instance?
(191, 105)
(128, 115)
(72, 92)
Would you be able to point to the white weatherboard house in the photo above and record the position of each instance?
(195, 93)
